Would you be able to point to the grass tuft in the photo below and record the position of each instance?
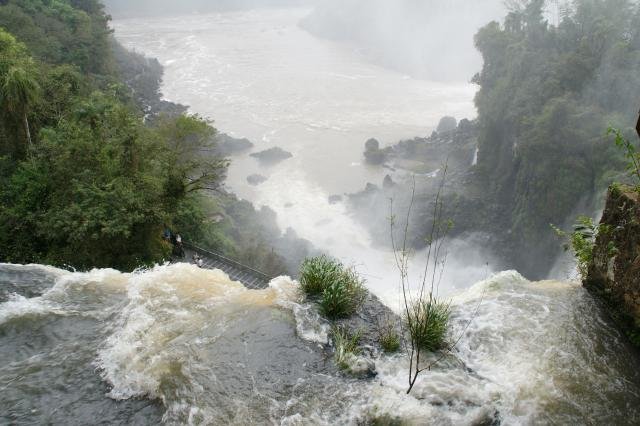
(428, 323)
(316, 273)
(341, 289)
(346, 345)
(388, 336)
(342, 297)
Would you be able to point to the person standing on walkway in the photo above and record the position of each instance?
(178, 247)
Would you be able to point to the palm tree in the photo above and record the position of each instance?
(18, 91)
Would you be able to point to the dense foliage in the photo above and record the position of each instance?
(93, 165)
(62, 32)
(547, 94)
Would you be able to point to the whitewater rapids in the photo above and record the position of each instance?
(183, 345)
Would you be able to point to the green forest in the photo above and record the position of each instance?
(93, 166)
(547, 95)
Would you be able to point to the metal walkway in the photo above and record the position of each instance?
(249, 277)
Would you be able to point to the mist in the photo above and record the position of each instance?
(427, 39)
(128, 8)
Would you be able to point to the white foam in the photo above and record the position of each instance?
(20, 307)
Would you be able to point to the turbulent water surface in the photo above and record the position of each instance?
(183, 345)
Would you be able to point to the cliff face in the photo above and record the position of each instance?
(614, 272)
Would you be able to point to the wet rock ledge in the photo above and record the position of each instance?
(614, 272)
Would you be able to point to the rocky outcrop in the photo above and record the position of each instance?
(447, 124)
(454, 144)
(256, 179)
(614, 272)
(272, 155)
(372, 152)
(227, 145)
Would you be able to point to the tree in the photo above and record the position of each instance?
(191, 148)
(426, 318)
(18, 91)
(546, 93)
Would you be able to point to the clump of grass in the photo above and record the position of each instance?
(316, 273)
(341, 289)
(428, 323)
(388, 336)
(346, 345)
(343, 296)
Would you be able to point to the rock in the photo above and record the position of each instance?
(465, 124)
(335, 199)
(372, 145)
(272, 155)
(360, 366)
(227, 145)
(372, 152)
(369, 187)
(388, 183)
(614, 271)
(256, 179)
(366, 321)
(447, 124)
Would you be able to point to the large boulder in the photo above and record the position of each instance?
(372, 152)
(447, 124)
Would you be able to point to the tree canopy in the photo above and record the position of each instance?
(97, 185)
(547, 95)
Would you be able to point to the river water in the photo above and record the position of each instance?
(260, 76)
(180, 345)
(183, 345)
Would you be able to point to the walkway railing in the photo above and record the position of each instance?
(250, 277)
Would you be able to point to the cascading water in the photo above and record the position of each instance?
(187, 346)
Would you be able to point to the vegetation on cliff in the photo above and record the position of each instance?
(546, 94)
(614, 266)
(93, 165)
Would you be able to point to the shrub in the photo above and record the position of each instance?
(316, 273)
(343, 296)
(346, 345)
(428, 322)
(341, 290)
